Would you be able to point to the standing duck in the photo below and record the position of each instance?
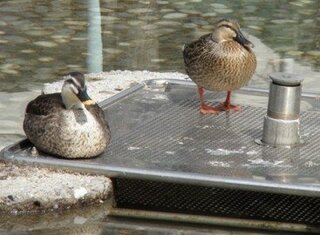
(67, 124)
(220, 61)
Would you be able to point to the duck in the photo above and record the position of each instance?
(67, 124)
(220, 61)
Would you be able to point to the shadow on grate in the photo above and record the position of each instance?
(201, 200)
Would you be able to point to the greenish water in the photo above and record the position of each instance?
(94, 221)
(42, 40)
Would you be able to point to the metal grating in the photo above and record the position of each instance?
(201, 200)
(180, 139)
(159, 134)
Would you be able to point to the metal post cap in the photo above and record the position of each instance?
(286, 79)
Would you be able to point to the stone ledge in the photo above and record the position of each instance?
(106, 84)
(32, 189)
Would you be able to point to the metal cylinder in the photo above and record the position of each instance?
(282, 122)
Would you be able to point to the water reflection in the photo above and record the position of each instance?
(94, 59)
(54, 37)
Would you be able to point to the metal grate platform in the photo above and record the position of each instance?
(158, 135)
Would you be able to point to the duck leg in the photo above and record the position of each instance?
(204, 108)
(227, 104)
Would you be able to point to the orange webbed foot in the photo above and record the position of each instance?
(228, 107)
(206, 109)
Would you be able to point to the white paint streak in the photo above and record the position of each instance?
(159, 97)
(170, 152)
(262, 162)
(133, 148)
(223, 152)
(311, 164)
(252, 152)
(219, 164)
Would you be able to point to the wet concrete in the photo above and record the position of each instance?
(28, 189)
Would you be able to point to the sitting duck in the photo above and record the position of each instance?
(220, 61)
(67, 124)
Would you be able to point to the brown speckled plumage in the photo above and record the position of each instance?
(222, 60)
(68, 133)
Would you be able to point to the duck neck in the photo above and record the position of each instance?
(71, 101)
(217, 36)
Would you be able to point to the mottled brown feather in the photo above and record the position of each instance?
(96, 111)
(45, 104)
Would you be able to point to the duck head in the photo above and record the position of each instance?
(227, 30)
(74, 92)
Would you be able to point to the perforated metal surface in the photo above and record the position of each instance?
(181, 198)
(180, 139)
(159, 134)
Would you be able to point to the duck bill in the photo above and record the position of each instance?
(85, 98)
(243, 40)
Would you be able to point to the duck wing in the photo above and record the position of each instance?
(96, 111)
(45, 104)
(195, 49)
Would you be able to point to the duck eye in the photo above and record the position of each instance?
(229, 27)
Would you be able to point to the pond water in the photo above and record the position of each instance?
(93, 220)
(41, 40)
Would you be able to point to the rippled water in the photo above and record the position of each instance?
(41, 40)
